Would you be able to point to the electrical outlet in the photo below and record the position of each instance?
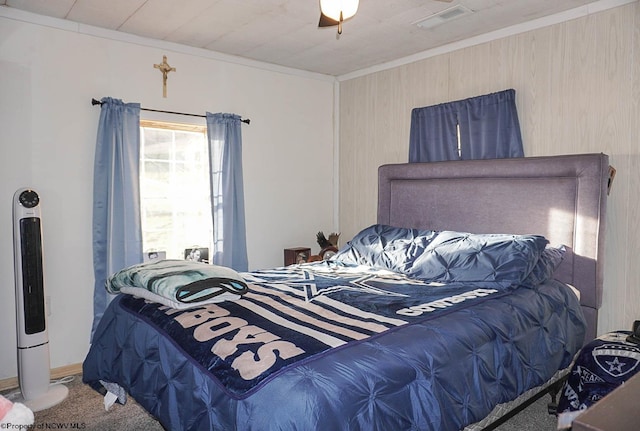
(48, 305)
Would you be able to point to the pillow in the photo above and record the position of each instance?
(466, 257)
(446, 256)
(385, 247)
(544, 269)
(178, 283)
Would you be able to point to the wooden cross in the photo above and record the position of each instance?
(165, 69)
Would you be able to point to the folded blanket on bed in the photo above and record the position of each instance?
(178, 283)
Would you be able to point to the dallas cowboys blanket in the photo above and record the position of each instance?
(293, 314)
(602, 365)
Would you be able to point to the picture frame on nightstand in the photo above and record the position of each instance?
(296, 255)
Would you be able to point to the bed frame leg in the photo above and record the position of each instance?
(554, 390)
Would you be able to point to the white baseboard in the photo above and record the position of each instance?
(56, 373)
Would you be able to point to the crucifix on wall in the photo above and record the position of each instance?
(165, 69)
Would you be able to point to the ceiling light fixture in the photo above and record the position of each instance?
(337, 11)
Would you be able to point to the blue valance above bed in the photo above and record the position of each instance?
(482, 127)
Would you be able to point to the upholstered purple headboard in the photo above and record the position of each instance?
(560, 197)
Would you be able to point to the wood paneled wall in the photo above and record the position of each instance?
(577, 90)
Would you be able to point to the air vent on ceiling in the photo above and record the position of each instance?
(443, 16)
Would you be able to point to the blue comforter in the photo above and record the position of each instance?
(400, 353)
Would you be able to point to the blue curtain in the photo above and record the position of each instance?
(227, 195)
(489, 129)
(433, 135)
(117, 232)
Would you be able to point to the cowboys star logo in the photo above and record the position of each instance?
(617, 360)
(314, 281)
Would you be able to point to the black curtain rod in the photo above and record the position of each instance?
(97, 102)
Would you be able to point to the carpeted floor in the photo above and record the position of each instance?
(83, 409)
(536, 417)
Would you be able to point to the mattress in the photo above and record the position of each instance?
(340, 346)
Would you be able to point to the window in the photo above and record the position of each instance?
(174, 188)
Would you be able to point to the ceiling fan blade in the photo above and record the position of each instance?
(325, 21)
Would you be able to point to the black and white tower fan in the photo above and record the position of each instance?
(33, 338)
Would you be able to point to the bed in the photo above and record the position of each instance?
(474, 290)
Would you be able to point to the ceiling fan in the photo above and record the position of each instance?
(334, 12)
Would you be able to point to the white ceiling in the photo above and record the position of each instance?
(286, 33)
